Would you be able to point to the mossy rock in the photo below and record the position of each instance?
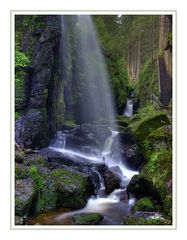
(158, 171)
(144, 204)
(142, 128)
(87, 219)
(24, 196)
(72, 188)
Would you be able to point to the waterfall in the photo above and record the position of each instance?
(95, 103)
(129, 108)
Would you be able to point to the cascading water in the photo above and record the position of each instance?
(96, 104)
(129, 108)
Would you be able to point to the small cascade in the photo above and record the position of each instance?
(129, 108)
(115, 162)
(101, 190)
(108, 143)
(59, 140)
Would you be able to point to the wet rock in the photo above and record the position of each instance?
(24, 195)
(111, 180)
(87, 219)
(87, 135)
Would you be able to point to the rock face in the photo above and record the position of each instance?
(43, 112)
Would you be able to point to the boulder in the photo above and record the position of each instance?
(72, 188)
(140, 187)
(111, 180)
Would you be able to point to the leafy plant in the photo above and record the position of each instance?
(21, 60)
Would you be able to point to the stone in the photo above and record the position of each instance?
(72, 188)
(140, 187)
(112, 181)
(24, 195)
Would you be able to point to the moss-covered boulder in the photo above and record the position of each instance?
(144, 204)
(72, 188)
(143, 127)
(87, 218)
(140, 187)
(24, 196)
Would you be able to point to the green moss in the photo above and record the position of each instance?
(143, 204)
(143, 127)
(153, 131)
(70, 123)
(71, 187)
(87, 219)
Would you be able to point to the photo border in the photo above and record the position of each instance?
(174, 120)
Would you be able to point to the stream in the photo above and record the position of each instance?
(113, 206)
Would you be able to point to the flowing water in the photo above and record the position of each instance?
(97, 102)
(129, 108)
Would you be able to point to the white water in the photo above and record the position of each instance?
(71, 153)
(129, 108)
(116, 164)
(110, 206)
(97, 104)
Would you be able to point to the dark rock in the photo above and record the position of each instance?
(87, 135)
(35, 133)
(111, 180)
(24, 195)
(140, 187)
(87, 218)
(43, 109)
